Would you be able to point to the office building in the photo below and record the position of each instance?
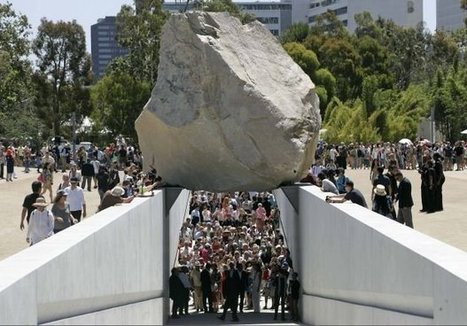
(449, 15)
(104, 46)
(275, 15)
(406, 13)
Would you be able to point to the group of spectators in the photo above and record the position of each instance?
(116, 177)
(407, 154)
(231, 252)
(390, 187)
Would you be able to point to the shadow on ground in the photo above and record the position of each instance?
(246, 318)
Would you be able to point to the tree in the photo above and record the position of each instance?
(64, 69)
(118, 99)
(341, 58)
(15, 68)
(139, 30)
(296, 33)
(306, 59)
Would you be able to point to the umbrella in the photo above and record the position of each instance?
(425, 142)
(464, 132)
(405, 141)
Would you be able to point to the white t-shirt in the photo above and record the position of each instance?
(75, 198)
(96, 165)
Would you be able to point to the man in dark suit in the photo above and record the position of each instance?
(243, 284)
(176, 292)
(231, 292)
(206, 287)
(404, 196)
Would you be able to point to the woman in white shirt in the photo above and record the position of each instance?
(41, 222)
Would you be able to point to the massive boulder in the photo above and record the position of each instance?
(230, 110)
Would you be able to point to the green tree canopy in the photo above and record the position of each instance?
(64, 70)
(118, 99)
(139, 30)
(15, 69)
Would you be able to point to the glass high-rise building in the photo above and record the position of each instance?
(104, 46)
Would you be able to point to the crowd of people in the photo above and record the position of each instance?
(112, 172)
(231, 252)
(408, 155)
(389, 186)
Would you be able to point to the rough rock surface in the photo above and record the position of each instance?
(230, 110)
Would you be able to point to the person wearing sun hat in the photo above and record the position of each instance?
(113, 197)
(382, 204)
(41, 222)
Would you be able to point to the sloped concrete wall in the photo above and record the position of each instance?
(111, 265)
(358, 267)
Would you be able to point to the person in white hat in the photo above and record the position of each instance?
(41, 222)
(114, 197)
(382, 203)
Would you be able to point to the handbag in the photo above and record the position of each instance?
(41, 178)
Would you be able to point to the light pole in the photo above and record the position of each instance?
(73, 132)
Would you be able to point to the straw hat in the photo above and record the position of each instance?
(40, 202)
(380, 190)
(117, 191)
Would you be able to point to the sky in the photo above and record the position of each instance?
(87, 12)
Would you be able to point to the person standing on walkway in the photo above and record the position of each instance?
(439, 181)
(10, 164)
(404, 197)
(61, 212)
(256, 275)
(207, 288)
(76, 199)
(2, 161)
(176, 290)
(243, 283)
(231, 292)
(183, 275)
(195, 277)
(47, 180)
(28, 202)
(294, 286)
(41, 224)
(87, 172)
(280, 279)
(74, 171)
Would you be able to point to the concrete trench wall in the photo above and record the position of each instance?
(356, 267)
(109, 269)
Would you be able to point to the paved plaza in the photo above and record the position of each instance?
(11, 200)
(449, 226)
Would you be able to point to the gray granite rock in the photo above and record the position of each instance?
(230, 109)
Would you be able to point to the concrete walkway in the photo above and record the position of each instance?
(450, 225)
(12, 195)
